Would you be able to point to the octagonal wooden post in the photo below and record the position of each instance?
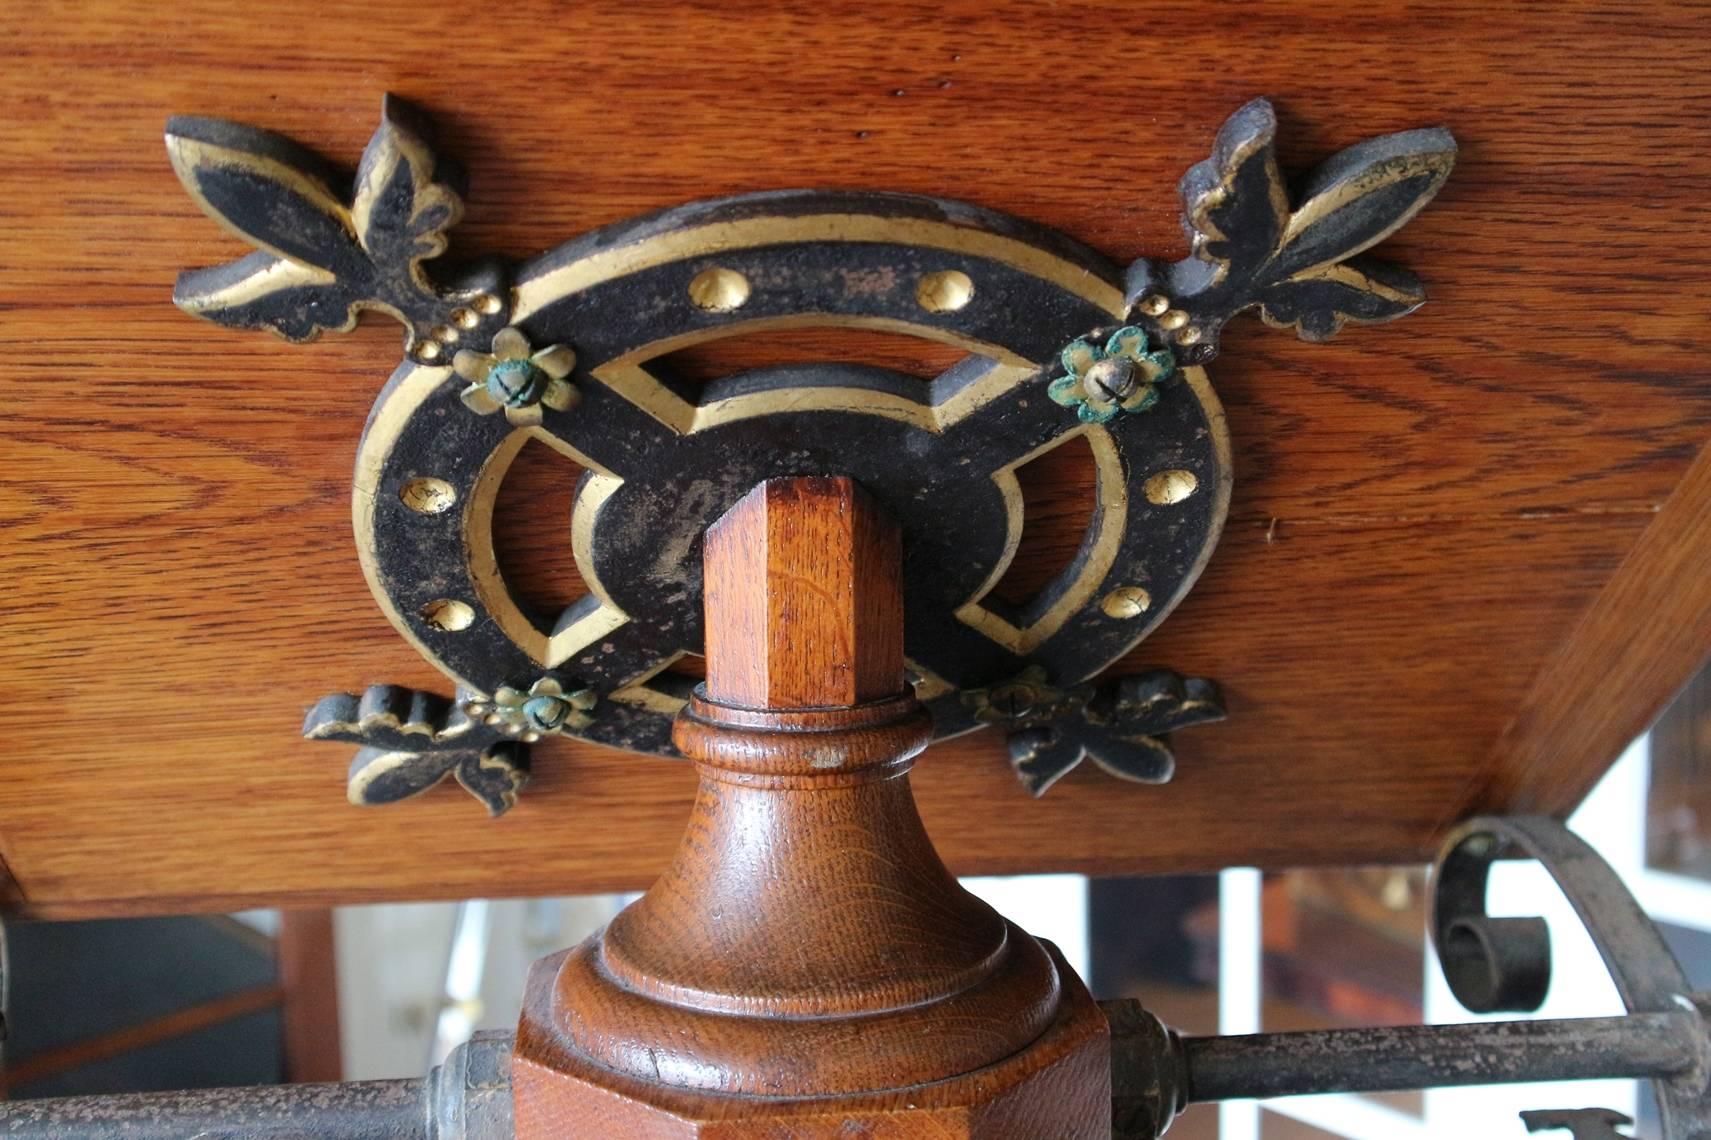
(807, 967)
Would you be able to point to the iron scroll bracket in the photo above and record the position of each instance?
(1493, 964)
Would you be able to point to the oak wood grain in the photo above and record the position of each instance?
(804, 599)
(806, 957)
(1640, 641)
(1424, 513)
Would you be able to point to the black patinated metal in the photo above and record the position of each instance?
(1492, 965)
(1061, 343)
(1642, 1046)
(1503, 964)
(1581, 1123)
(466, 1098)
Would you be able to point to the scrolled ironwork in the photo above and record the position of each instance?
(1493, 964)
(1504, 964)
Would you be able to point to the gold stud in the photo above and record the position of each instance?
(1126, 602)
(488, 304)
(1189, 335)
(427, 495)
(719, 290)
(445, 334)
(465, 318)
(448, 615)
(428, 350)
(1170, 487)
(1154, 305)
(945, 291)
(1173, 319)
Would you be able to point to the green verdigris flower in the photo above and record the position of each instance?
(545, 708)
(516, 380)
(1120, 377)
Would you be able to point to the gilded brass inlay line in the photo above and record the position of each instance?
(543, 648)
(553, 285)
(1109, 512)
(628, 376)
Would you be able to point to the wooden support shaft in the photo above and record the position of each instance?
(807, 962)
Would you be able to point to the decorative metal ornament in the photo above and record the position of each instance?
(568, 348)
(1580, 1123)
(1492, 965)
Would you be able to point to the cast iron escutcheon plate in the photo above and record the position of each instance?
(571, 349)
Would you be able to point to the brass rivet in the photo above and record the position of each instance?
(427, 495)
(945, 291)
(1170, 487)
(445, 334)
(1189, 335)
(1126, 602)
(1154, 305)
(465, 318)
(489, 304)
(448, 614)
(1174, 319)
(719, 290)
(428, 350)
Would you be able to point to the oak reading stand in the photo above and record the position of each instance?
(794, 484)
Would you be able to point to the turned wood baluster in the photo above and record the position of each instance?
(807, 963)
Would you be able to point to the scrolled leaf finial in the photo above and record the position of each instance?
(1122, 724)
(412, 740)
(329, 246)
(1300, 259)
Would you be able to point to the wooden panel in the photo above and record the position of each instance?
(1642, 639)
(1424, 515)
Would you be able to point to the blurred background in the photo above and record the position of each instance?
(386, 991)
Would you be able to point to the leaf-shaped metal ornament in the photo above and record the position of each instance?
(1122, 725)
(329, 247)
(1303, 265)
(411, 740)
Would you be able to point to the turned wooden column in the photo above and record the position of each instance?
(807, 967)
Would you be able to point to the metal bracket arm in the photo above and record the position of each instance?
(1493, 965)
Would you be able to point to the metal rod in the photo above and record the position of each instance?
(467, 1098)
(1640, 1045)
(359, 1110)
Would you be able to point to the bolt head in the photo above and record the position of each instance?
(516, 383)
(1015, 699)
(546, 714)
(1113, 379)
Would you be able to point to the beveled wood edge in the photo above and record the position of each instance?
(1635, 648)
(553, 883)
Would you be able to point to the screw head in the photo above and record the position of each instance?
(1014, 700)
(516, 383)
(546, 714)
(1115, 379)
